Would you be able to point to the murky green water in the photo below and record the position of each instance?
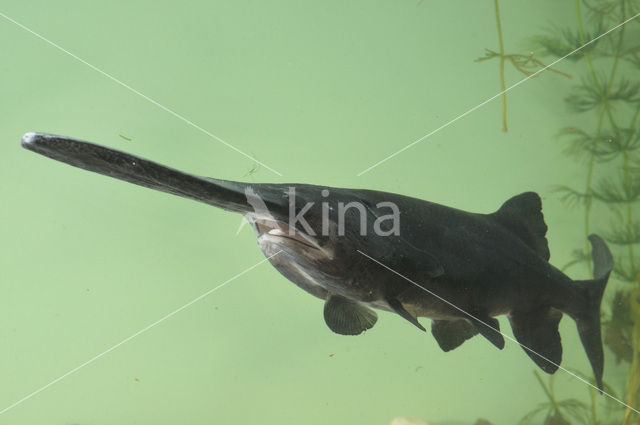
(318, 91)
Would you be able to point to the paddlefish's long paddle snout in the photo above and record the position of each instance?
(228, 195)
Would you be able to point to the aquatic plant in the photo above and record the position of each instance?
(572, 411)
(556, 412)
(608, 99)
(526, 64)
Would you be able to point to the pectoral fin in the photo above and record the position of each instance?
(347, 317)
(398, 308)
(537, 330)
(489, 328)
(451, 334)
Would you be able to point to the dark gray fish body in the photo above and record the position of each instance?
(457, 268)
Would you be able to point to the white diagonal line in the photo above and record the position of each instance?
(447, 124)
(128, 87)
(498, 331)
(141, 331)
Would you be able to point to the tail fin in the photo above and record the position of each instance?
(588, 320)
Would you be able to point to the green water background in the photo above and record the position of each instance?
(318, 91)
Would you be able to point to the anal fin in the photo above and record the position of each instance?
(346, 317)
(537, 330)
(451, 334)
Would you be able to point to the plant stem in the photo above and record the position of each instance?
(627, 180)
(587, 58)
(605, 110)
(502, 60)
(614, 69)
(588, 189)
(594, 412)
(555, 408)
(633, 383)
(634, 120)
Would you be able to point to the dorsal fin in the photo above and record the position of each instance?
(522, 215)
